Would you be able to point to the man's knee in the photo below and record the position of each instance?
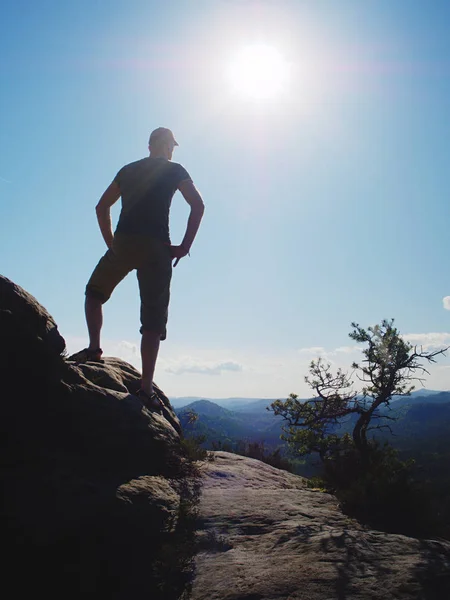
(154, 329)
(94, 294)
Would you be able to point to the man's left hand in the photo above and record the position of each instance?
(178, 252)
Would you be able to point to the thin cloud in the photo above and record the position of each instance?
(205, 368)
(346, 350)
(446, 302)
(428, 340)
(315, 350)
(321, 351)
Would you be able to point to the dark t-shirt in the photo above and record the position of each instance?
(147, 187)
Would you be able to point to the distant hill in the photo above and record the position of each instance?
(205, 408)
(253, 404)
(219, 424)
(229, 403)
(424, 420)
(419, 392)
(425, 392)
(251, 421)
(416, 398)
(183, 401)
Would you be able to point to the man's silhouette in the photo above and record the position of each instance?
(142, 242)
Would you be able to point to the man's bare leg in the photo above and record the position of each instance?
(94, 319)
(149, 353)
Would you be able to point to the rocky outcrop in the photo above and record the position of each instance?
(97, 498)
(93, 484)
(30, 318)
(263, 535)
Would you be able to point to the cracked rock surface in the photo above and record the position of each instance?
(263, 535)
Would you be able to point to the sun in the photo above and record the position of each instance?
(259, 72)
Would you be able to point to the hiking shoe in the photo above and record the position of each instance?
(87, 355)
(152, 402)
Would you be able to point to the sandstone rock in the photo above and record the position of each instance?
(155, 498)
(115, 374)
(91, 480)
(32, 315)
(264, 535)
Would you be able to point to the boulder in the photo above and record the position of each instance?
(93, 483)
(263, 535)
(31, 315)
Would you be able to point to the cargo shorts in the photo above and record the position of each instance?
(152, 260)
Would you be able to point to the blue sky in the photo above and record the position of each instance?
(325, 205)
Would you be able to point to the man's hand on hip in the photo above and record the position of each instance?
(178, 252)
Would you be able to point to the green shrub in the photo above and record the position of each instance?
(192, 448)
(381, 491)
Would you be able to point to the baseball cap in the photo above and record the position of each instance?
(162, 134)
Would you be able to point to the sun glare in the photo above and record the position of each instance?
(259, 72)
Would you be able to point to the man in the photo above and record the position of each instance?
(142, 242)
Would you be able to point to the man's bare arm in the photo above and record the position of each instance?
(110, 196)
(193, 198)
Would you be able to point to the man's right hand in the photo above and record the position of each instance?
(178, 252)
(110, 196)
